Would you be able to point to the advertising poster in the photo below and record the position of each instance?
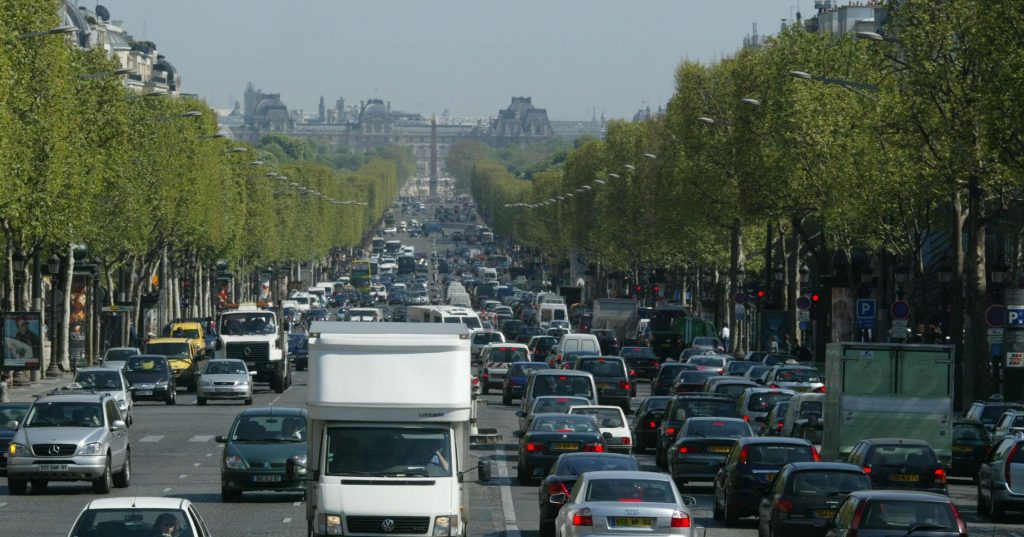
(23, 344)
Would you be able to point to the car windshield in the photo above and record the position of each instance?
(969, 432)
(606, 417)
(12, 412)
(638, 352)
(119, 354)
(254, 428)
(246, 324)
(798, 375)
(731, 389)
(563, 385)
(991, 413)
(507, 355)
(630, 490)
(778, 454)
(65, 414)
(706, 408)
(225, 367)
(169, 349)
(556, 404)
(902, 515)
(564, 424)
(577, 465)
(132, 521)
(764, 401)
(603, 368)
(903, 456)
(106, 380)
(185, 333)
(704, 428)
(389, 452)
(823, 483)
(145, 365)
(706, 361)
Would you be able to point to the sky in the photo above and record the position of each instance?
(468, 56)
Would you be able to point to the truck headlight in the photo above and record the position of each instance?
(328, 524)
(18, 450)
(234, 462)
(94, 448)
(446, 525)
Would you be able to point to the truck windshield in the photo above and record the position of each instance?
(389, 452)
(247, 324)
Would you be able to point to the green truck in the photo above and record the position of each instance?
(673, 329)
(888, 390)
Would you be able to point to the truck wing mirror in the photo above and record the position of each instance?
(296, 471)
(484, 469)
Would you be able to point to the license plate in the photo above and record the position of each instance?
(768, 476)
(567, 446)
(604, 386)
(905, 478)
(633, 522)
(963, 449)
(825, 513)
(266, 478)
(719, 449)
(144, 392)
(53, 467)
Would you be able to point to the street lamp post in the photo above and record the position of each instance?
(18, 266)
(53, 268)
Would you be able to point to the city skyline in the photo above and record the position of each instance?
(452, 54)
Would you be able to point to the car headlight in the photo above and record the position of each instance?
(205, 382)
(94, 448)
(329, 524)
(162, 384)
(18, 450)
(300, 459)
(446, 525)
(234, 462)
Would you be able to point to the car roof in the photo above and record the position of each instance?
(19, 404)
(225, 360)
(74, 397)
(169, 340)
(714, 418)
(625, 474)
(900, 495)
(749, 440)
(94, 369)
(603, 455)
(754, 390)
(138, 502)
(273, 411)
(150, 356)
(897, 441)
(122, 349)
(508, 344)
(702, 395)
(562, 372)
(600, 358)
(803, 466)
(599, 407)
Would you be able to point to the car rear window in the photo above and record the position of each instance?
(694, 377)
(567, 385)
(603, 368)
(670, 371)
(579, 465)
(902, 456)
(717, 428)
(798, 375)
(969, 432)
(709, 408)
(764, 401)
(810, 407)
(565, 424)
(732, 390)
(630, 490)
(484, 338)
(822, 483)
(706, 361)
(557, 404)
(778, 454)
(606, 417)
(657, 404)
(739, 367)
(896, 515)
(507, 355)
(638, 352)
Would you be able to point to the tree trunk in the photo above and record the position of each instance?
(736, 262)
(9, 280)
(793, 265)
(956, 290)
(65, 311)
(977, 356)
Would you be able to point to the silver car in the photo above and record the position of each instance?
(224, 379)
(70, 437)
(624, 503)
(799, 378)
(112, 381)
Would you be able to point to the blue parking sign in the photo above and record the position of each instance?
(865, 308)
(1015, 315)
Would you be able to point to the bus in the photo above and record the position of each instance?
(377, 245)
(361, 274)
(500, 262)
(392, 247)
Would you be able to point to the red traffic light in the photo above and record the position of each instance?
(655, 289)
(639, 289)
(760, 294)
(815, 297)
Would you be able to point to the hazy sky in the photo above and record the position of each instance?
(469, 56)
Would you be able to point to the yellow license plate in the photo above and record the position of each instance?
(825, 513)
(719, 449)
(905, 478)
(567, 447)
(963, 449)
(604, 385)
(633, 522)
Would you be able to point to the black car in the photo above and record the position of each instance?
(804, 497)
(151, 379)
(642, 361)
(511, 329)
(551, 435)
(667, 373)
(971, 443)
(612, 379)
(692, 381)
(608, 341)
(299, 354)
(563, 475)
(737, 368)
(900, 463)
(9, 412)
(731, 386)
(527, 332)
(690, 405)
(702, 446)
(646, 420)
(540, 346)
(744, 478)
(398, 315)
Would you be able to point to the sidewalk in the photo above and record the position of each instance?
(26, 394)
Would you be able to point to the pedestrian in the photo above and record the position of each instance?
(773, 346)
(803, 353)
(725, 337)
(5, 379)
(786, 346)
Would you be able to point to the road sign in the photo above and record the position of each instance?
(1015, 315)
(803, 303)
(995, 315)
(997, 349)
(1015, 359)
(899, 310)
(739, 298)
(805, 325)
(803, 316)
(898, 333)
(901, 324)
(865, 308)
(864, 322)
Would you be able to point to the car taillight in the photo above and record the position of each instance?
(960, 524)
(623, 385)
(534, 447)
(744, 454)
(773, 385)
(815, 455)
(1006, 466)
(594, 447)
(486, 374)
(652, 425)
(671, 431)
(680, 520)
(654, 363)
(819, 389)
(746, 418)
(582, 518)
(691, 449)
(855, 522)
(557, 487)
(867, 469)
(940, 475)
(784, 506)
(632, 373)
(627, 441)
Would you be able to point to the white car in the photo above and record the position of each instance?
(390, 230)
(624, 503)
(612, 422)
(140, 515)
(224, 379)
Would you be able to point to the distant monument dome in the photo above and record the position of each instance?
(375, 117)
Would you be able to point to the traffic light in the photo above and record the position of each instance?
(639, 289)
(760, 293)
(655, 290)
(815, 297)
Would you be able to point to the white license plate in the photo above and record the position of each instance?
(53, 467)
(266, 478)
(144, 392)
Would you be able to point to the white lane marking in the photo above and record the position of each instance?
(152, 438)
(507, 507)
(287, 520)
(166, 490)
(201, 438)
(209, 454)
(3, 504)
(197, 464)
(182, 476)
(296, 504)
(274, 400)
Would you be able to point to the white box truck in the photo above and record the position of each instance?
(617, 314)
(389, 429)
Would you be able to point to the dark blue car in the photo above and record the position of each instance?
(515, 380)
(9, 412)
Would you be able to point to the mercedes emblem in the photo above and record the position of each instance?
(388, 525)
(54, 449)
(247, 351)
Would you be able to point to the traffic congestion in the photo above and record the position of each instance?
(425, 390)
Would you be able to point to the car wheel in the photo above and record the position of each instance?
(200, 401)
(172, 397)
(982, 506)
(716, 512)
(728, 515)
(124, 478)
(547, 528)
(506, 399)
(996, 509)
(103, 483)
(39, 485)
(230, 496)
(17, 487)
(277, 385)
(248, 401)
(524, 474)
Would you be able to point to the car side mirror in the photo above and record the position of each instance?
(13, 425)
(558, 499)
(118, 425)
(220, 439)
(517, 434)
(252, 373)
(689, 501)
(520, 414)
